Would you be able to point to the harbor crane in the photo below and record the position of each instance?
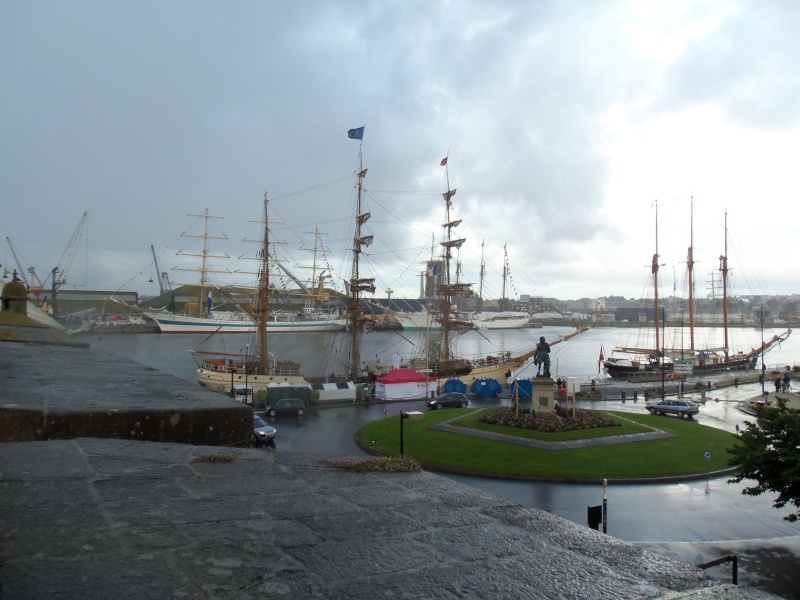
(34, 282)
(164, 284)
(65, 262)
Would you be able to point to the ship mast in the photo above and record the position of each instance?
(503, 302)
(357, 283)
(723, 269)
(480, 287)
(204, 268)
(262, 298)
(654, 270)
(447, 289)
(690, 270)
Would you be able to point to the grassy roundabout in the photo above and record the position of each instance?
(679, 456)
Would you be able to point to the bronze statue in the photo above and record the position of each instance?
(542, 357)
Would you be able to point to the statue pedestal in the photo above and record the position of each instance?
(543, 397)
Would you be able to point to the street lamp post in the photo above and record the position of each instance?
(663, 353)
(412, 414)
(763, 366)
(246, 360)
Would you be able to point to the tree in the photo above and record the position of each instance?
(768, 452)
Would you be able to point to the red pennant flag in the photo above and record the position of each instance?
(602, 358)
(444, 161)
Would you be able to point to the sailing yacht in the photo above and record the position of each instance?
(626, 361)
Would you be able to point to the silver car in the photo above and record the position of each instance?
(679, 408)
(262, 433)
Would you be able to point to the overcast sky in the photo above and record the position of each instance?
(563, 122)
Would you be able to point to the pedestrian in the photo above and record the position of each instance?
(786, 382)
(594, 389)
(777, 384)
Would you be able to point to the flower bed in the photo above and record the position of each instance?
(561, 420)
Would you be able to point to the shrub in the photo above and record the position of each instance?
(391, 464)
(216, 458)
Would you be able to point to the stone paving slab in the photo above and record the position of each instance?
(105, 518)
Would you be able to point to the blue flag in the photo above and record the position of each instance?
(356, 134)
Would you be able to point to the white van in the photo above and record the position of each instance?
(244, 393)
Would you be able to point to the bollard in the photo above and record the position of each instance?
(595, 515)
(709, 384)
(736, 382)
(635, 394)
(646, 394)
(623, 395)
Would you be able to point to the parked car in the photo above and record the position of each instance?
(448, 400)
(679, 408)
(262, 433)
(286, 406)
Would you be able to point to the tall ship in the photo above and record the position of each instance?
(221, 372)
(504, 319)
(627, 361)
(439, 356)
(462, 321)
(201, 316)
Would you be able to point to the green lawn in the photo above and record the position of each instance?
(438, 450)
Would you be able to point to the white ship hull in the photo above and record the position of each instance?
(239, 323)
(424, 322)
(505, 321)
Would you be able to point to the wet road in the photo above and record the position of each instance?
(690, 521)
(703, 510)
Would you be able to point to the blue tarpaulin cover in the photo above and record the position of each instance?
(525, 388)
(455, 385)
(487, 388)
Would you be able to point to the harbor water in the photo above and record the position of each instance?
(319, 354)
